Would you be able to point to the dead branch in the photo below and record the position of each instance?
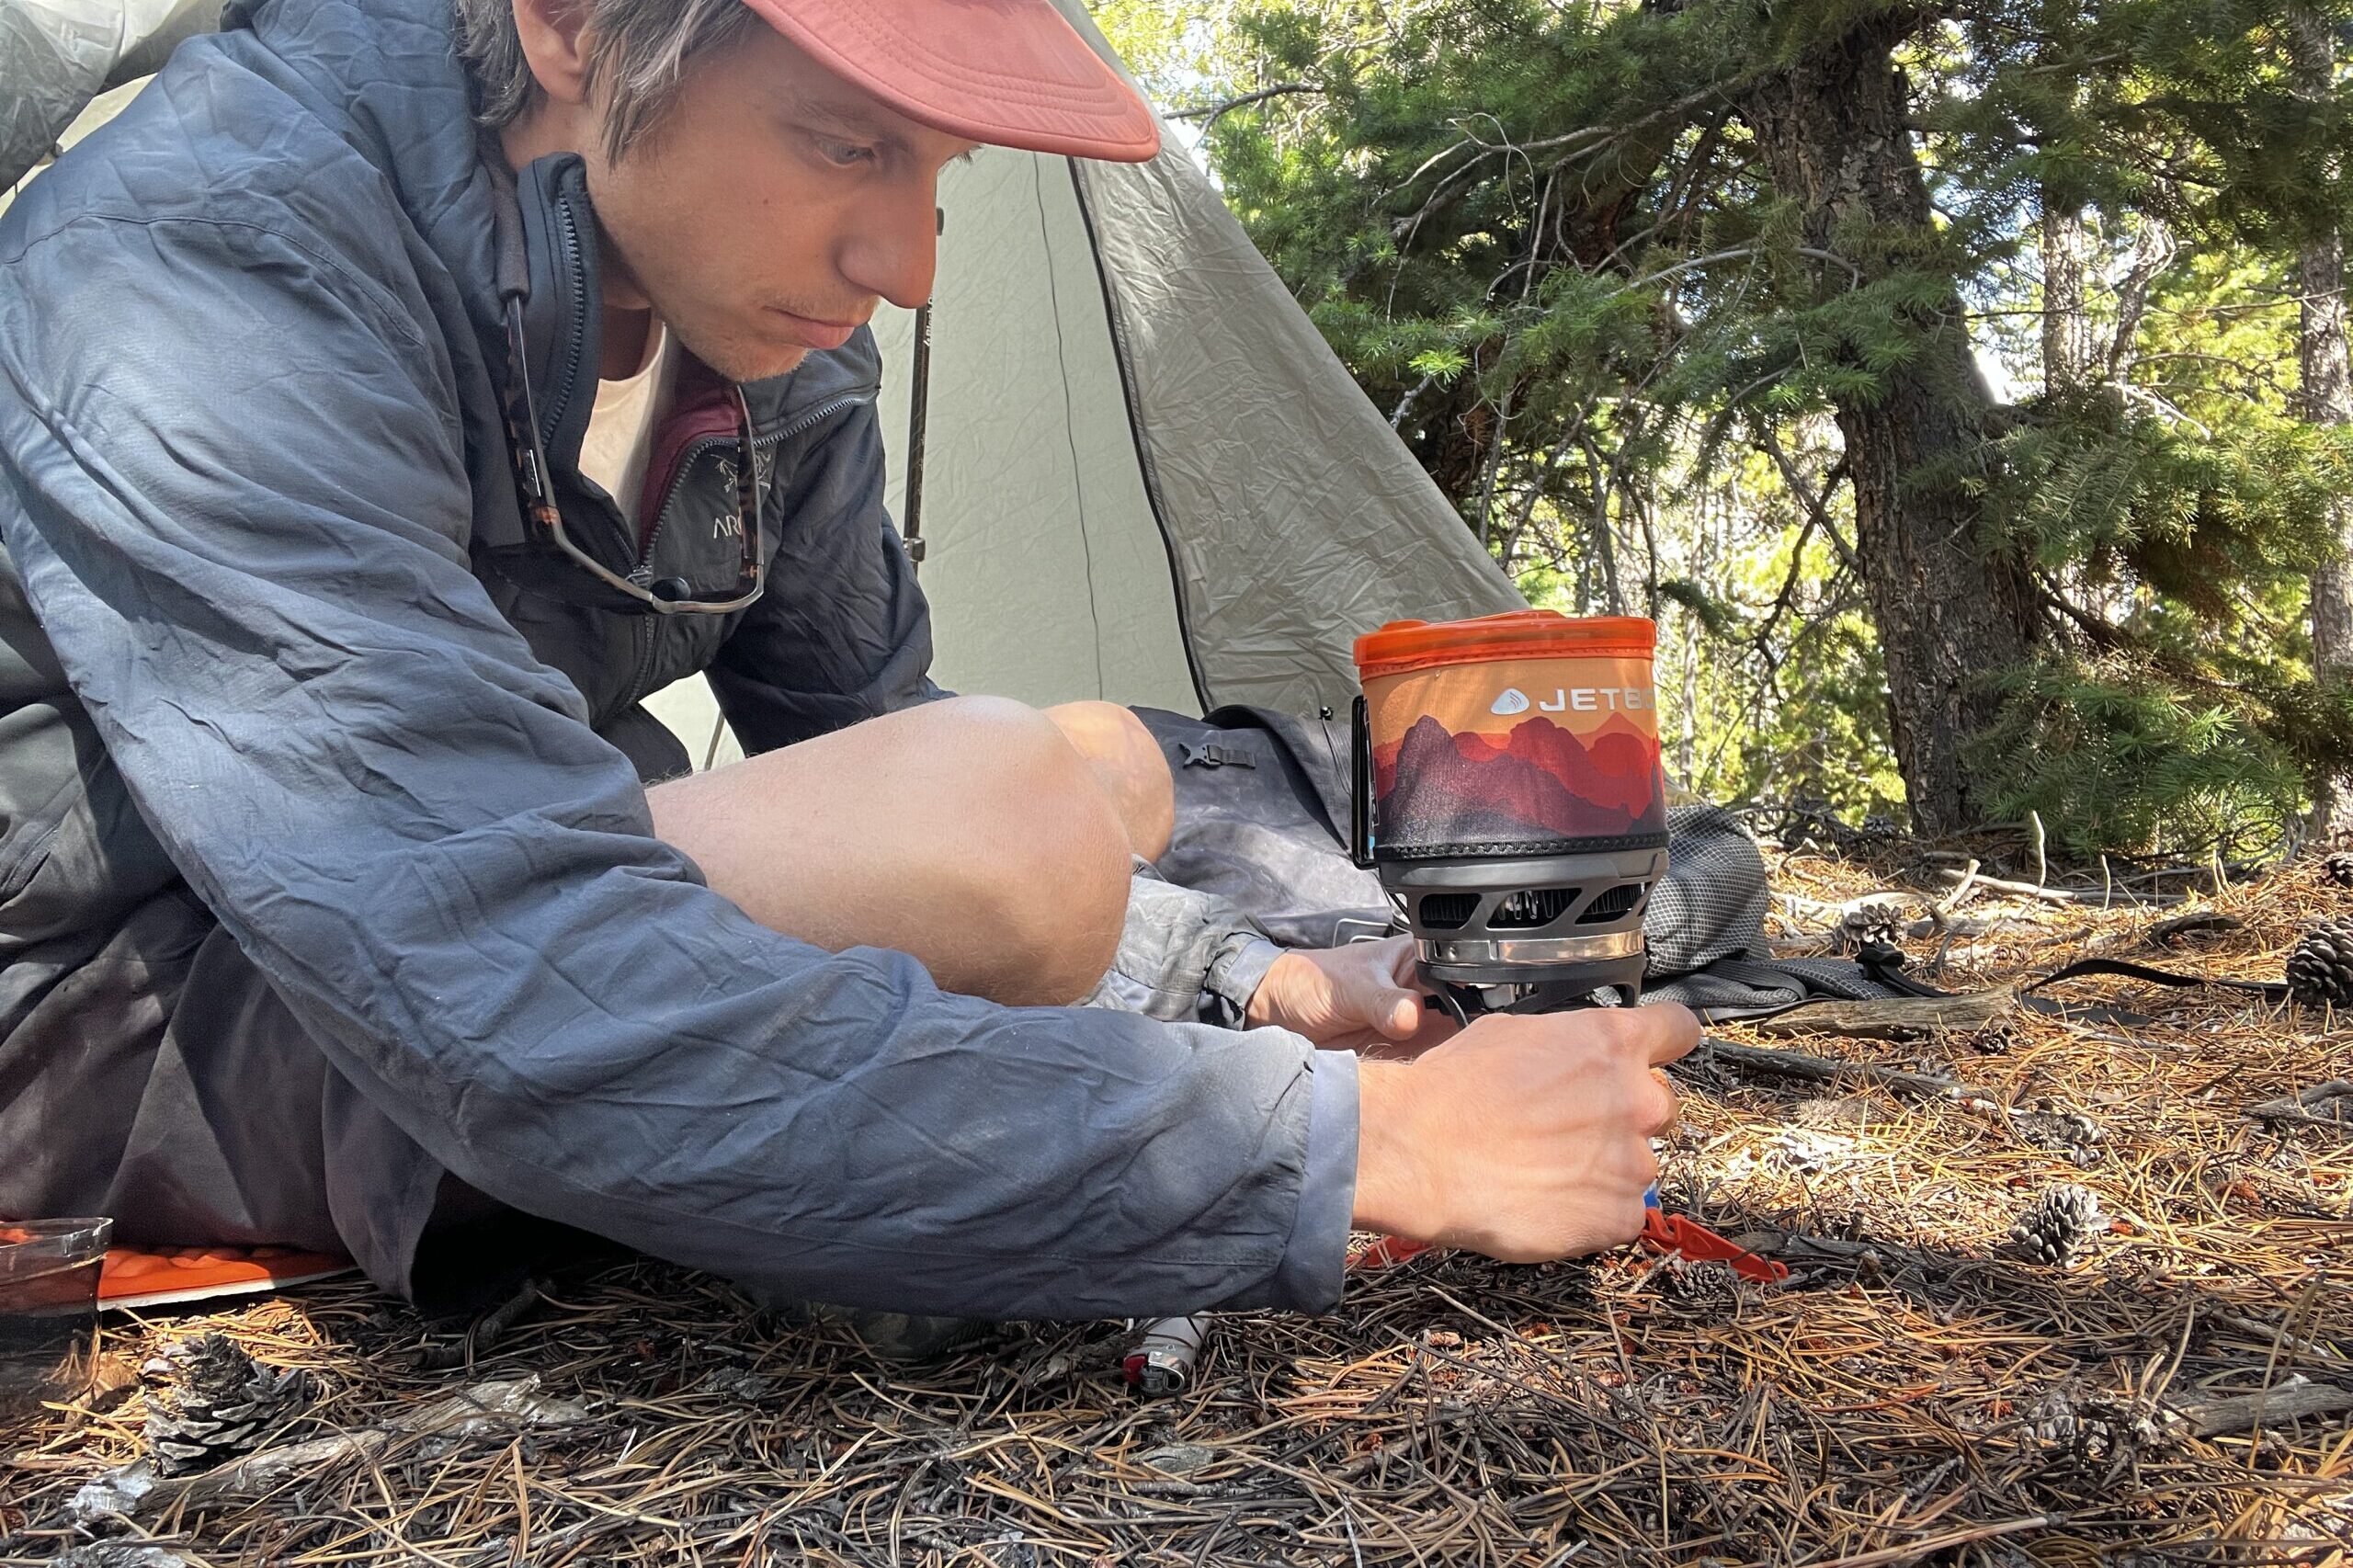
(1823, 1069)
(1210, 114)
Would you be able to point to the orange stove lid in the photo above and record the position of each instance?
(1516, 634)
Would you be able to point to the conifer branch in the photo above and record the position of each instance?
(1210, 114)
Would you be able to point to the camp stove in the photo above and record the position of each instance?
(1509, 791)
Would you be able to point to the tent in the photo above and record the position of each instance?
(1144, 476)
(55, 55)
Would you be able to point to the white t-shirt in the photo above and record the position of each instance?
(619, 441)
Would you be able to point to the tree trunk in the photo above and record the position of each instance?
(2066, 329)
(1950, 610)
(2325, 397)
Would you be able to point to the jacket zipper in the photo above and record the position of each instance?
(575, 265)
(567, 224)
(642, 572)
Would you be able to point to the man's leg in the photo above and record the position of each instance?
(968, 833)
(1129, 762)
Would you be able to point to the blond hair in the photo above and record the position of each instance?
(638, 48)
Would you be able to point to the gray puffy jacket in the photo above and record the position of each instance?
(284, 669)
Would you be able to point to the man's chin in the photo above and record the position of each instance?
(750, 362)
(767, 368)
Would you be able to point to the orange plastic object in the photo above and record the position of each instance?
(132, 1278)
(1665, 1233)
(1403, 645)
(1385, 1250)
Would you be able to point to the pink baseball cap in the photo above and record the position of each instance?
(1006, 73)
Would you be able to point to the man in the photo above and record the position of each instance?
(364, 472)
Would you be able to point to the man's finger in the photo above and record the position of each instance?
(1397, 1014)
(1400, 966)
(1667, 1112)
(1672, 1031)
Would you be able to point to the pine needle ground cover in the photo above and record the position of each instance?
(1926, 1387)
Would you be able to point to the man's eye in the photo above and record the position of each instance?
(844, 155)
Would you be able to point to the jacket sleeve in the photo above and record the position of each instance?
(233, 482)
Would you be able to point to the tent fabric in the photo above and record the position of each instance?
(1188, 503)
(60, 53)
(1297, 518)
(1047, 575)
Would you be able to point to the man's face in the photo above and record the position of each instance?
(766, 210)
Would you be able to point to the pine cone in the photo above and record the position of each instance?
(209, 1402)
(2320, 966)
(2055, 1224)
(2067, 1132)
(1867, 925)
(1705, 1288)
(2339, 868)
(1996, 1039)
(2106, 1431)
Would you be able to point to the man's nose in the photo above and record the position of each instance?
(894, 253)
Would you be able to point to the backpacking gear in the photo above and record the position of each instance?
(1263, 804)
(1680, 1236)
(1506, 786)
(1162, 1353)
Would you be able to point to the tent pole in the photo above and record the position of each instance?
(918, 416)
(918, 400)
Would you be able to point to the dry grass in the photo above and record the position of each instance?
(1874, 1410)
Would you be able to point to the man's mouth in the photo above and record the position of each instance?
(822, 336)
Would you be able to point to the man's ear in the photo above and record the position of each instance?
(555, 35)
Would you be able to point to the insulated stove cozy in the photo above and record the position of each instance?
(1508, 792)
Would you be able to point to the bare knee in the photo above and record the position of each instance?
(1127, 762)
(1053, 884)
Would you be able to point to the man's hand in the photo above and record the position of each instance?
(1362, 996)
(1524, 1138)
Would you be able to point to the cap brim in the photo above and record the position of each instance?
(1005, 72)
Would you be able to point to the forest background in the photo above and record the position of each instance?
(1962, 386)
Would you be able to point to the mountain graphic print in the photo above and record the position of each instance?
(1433, 788)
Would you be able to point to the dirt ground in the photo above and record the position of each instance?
(1916, 1392)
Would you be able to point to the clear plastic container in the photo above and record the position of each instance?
(48, 1310)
